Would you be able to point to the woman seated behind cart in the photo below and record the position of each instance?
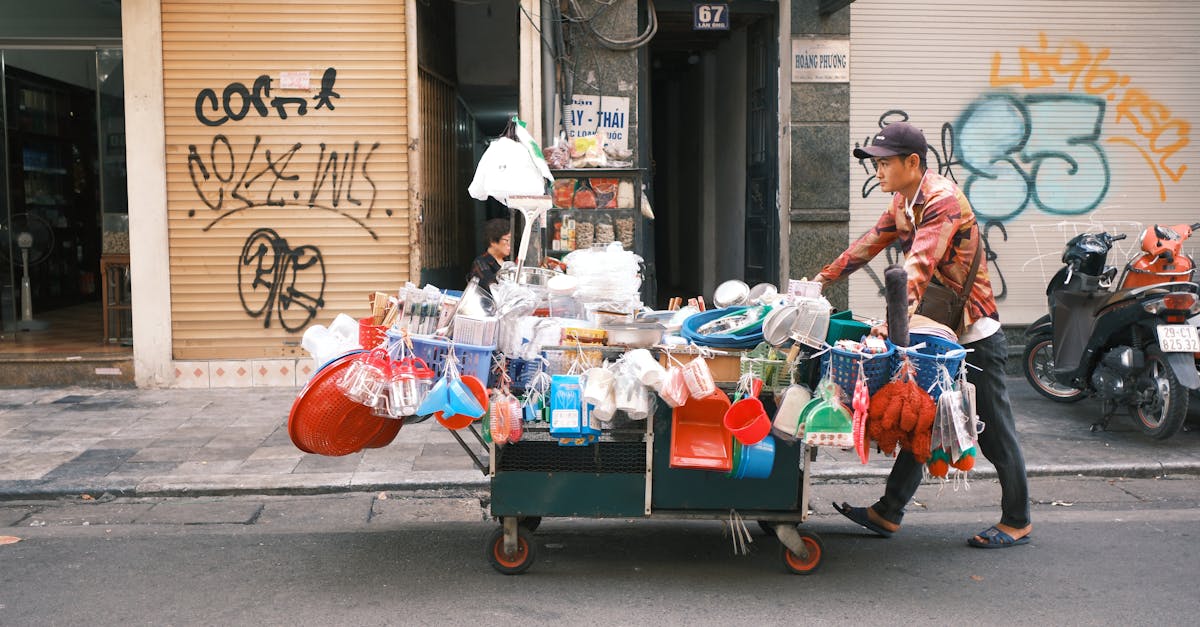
(499, 241)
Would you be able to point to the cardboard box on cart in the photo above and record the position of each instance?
(725, 368)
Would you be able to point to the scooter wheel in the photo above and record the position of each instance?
(1163, 407)
(1038, 362)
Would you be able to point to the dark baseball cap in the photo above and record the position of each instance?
(897, 138)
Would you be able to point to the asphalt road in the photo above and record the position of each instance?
(1104, 552)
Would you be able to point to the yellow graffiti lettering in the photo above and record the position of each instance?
(1162, 189)
(1042, 58)
(1152, 119)
(1041, 66)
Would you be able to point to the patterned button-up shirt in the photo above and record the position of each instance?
(940, 246)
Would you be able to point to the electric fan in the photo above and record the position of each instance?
(29, 240)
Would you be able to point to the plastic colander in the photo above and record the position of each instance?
(325, 422)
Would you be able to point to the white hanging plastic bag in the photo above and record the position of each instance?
(506, 169)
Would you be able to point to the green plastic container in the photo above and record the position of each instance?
(843, 326)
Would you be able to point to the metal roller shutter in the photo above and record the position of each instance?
(1057, 117)
(286, 203)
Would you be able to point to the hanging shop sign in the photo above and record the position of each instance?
(710, 16)
(820, 60)
(606, 116)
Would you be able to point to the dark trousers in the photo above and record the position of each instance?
(998, 441)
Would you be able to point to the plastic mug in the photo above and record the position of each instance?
(627, 388)
(606, 409)
(641, 408)
(597, 385)
(646, 367)
(699, 378)
(674, 390)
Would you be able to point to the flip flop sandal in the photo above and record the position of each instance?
(859, 515)
(996, 539)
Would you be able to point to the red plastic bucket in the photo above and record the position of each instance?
(747, 420)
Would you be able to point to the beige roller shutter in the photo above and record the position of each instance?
(1058, 117)
(287, 167)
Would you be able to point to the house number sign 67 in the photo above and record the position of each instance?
(710, 16)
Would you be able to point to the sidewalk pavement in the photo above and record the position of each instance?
(175, 442)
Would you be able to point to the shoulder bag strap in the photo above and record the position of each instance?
(970, 282)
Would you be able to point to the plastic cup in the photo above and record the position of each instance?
(646, 368)
(627, 389)
(699, 378)
(597, 385)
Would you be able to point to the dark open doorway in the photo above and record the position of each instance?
(713, 149)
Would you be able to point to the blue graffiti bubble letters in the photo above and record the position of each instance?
(1035, 148)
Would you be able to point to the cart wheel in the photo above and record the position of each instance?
(767, 528)
(797, 565)
(519, 562)
(530, 523)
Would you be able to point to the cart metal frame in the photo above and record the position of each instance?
(537, 478)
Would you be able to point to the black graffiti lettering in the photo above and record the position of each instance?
(277, 170)
(208, 105)
(227, 173)
(328, 168)
(279, 102)
(374, 189)
(212, 158)
(239, 90)
(946, 160)
(208, 96)
(991, 255)
(891, 254)
(196, 161)
(277, 275)
(237, 189)
(324, 96)
(292, 299)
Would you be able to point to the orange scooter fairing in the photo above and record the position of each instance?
(1161, 260)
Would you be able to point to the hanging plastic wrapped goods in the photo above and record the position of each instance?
(566, 407)
(506, 169)
(788, 417)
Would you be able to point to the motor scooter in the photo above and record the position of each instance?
(1130, 343)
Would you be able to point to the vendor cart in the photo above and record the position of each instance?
(627, 474)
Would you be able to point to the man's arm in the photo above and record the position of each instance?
(862, 250)
(940, 220)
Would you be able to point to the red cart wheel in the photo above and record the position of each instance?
(803, 566)
(518, 562)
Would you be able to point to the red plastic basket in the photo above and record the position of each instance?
(388, 433)
(371, 335)
(325, 422)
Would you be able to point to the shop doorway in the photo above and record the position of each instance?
(713, 129)
(469, 57)
(63, 201)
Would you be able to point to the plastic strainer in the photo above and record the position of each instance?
(325, 422)
(812, 321)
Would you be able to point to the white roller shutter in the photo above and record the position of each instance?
(288, 174)
(1057, 117)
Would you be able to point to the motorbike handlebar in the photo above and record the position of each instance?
(1117, 238)
(1196, 226)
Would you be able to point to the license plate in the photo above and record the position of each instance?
(1178, 338)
